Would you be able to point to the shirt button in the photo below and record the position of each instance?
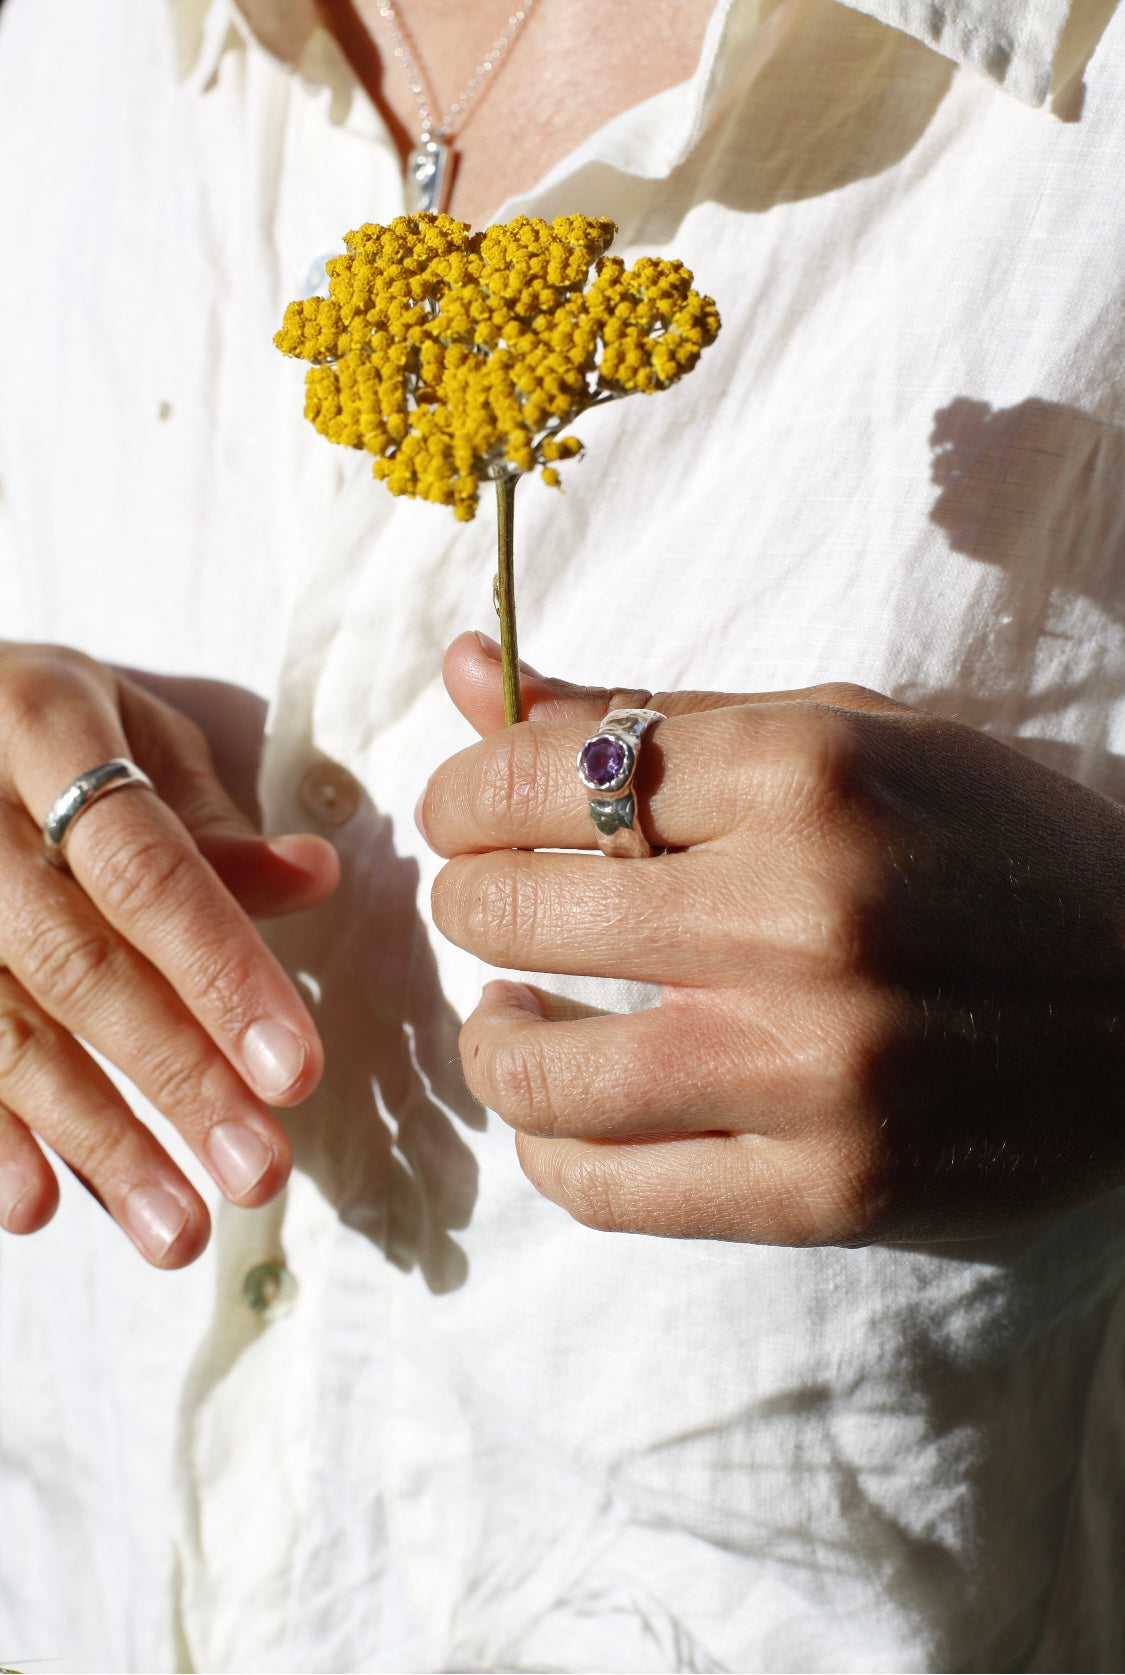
(269, 1290)
(329, 793)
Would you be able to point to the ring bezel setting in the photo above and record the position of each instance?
(607, 763)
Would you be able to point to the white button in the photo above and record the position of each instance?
(329, 793)
(269, 1290)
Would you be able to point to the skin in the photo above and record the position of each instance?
(146, 951)
(548, 94)
(889, 954)
(888, 950)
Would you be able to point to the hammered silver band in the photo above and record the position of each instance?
(82, 793)
(607, 766)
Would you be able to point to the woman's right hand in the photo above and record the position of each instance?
(145, 950)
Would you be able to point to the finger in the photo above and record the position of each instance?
(472, 674)
(266, 877)
(97, 986)
(570, 914)
(674, 919)
(751, 1188)
(690, 1065)
(699, 778)
(49, 1083)
(29, 1192)
(473, 679)
(520, 788)
(141, 868)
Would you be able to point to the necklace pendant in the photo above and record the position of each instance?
(426, 170)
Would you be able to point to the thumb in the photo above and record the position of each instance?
(473, 680)
(472, 675)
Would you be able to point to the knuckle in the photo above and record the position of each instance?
(848, 695)
(840, 1181)
(220, 981)
(838, 1059)
(135, 873)
(99, 1151)
(66, 961)
(820, 758)
(845, 1196)
(521, 1088)
(843, 1075)
(177, 1082)
(828, 927)
(587, 1190)
(500, 909)
(520, 781)
(39, 679)
(635, 698)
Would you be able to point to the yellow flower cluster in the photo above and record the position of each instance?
(455, 357)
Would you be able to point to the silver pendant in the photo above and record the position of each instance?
(426, 170)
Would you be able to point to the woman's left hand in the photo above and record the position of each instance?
(890, 954)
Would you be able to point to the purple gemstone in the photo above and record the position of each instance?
(604, 762)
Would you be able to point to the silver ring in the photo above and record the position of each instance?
(607, 765)
(80, 795)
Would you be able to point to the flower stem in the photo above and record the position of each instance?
(506, 592)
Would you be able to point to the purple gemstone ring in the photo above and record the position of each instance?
(607, 763)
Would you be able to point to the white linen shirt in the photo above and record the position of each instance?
(467, 1433)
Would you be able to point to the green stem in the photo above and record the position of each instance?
(506, 593)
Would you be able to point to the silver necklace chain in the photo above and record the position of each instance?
(407, 55)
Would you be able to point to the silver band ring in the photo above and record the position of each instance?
(607, 765)
(81, 794)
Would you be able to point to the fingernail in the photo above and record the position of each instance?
(492, 651)
(238, 1156)
(274, 1057)
(292, 849)
(15, 1184)
(304, 850)
(418, 820)
(156, 1218)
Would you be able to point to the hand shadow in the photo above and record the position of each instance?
(1036, 492)
(379, 1136)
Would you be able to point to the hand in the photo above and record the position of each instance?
(144, 950)
(889, 952)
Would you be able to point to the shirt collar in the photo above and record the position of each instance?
(1013, 43)
(203, 30)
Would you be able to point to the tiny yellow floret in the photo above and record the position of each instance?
(454, 357)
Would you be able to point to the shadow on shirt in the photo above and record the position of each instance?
(379, 1137)
(825, 97)
(1036, 492)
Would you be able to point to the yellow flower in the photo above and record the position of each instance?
(455, 357)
